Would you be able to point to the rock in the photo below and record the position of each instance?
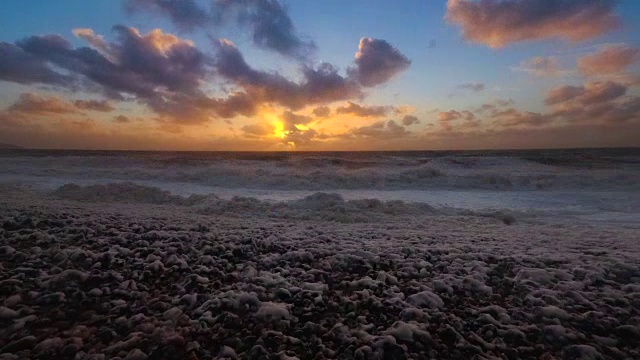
(95, 292)
(136, 354)
(13, 300)
(582, 352)
(7, 314)
(172, 314)
(49, 346)
(628, 332)
(227, 353)
(272, 311)
(425, 299)
(23, 343)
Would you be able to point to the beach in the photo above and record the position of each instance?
(131, 272)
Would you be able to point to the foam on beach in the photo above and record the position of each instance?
(140, 277)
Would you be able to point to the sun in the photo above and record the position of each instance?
(278, 129)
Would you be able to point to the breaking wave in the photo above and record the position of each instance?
(320, 206)
(537, 171)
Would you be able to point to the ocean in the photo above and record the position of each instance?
(578, 184)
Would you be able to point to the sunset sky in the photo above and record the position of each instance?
(319, 75)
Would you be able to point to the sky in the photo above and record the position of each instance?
(271, 75)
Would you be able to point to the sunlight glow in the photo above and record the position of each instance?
(278, 129)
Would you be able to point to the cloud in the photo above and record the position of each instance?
(493, 106)
(320, 85)
(121, 119)
(34, 104)
(588, 94)
(563, 93)
(497, 23)
(409, 120)
(270, 24)
(17, 65)
(540, 66)
(449, 119)
(144, 62)
(157, 69)
(96, 41)
(257, 130)
(186, 14)
(512, 118)
(170, 76)
(267, 21)
(595, 102)
(377, 62)
(292, 119)
(379, 130)
(322, 111)
(446, 116)
(569, 135)
(364, 111)
(475, 87)
(94, 105)
(590, 104)
(610, 59)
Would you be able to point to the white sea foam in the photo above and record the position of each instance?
(591, 185)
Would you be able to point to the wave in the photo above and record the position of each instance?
(318, 206)
(336, 171)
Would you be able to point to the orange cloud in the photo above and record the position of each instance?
(35, 104)
(497, 23)
(609, 60)
(30, 103)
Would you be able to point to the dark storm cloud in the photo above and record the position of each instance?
(270, 25)
(143, 62)
(377, 62)
(497, 23)
(364, 111)
(157, 69)
(320, 85)
(17, 65)
(266, 20)
(167, 74)
(186, 14)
